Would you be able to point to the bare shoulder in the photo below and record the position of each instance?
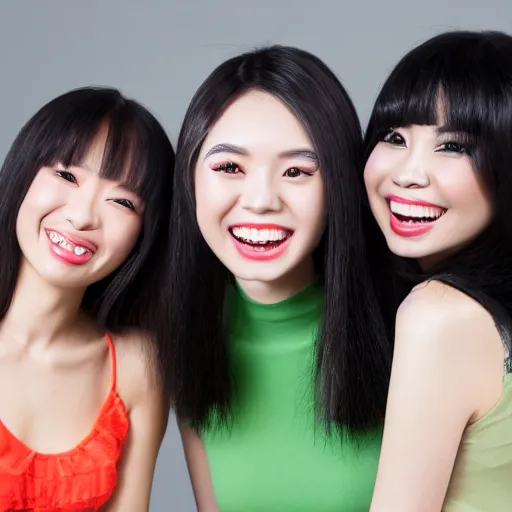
(444, 316)
(138, 377)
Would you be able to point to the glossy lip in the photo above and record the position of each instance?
(261, 226)
(402, 200)
(250, 252)
(67, 256)
(403, 229)
(415, 229)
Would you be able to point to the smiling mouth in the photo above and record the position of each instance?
(64, 243)
(415, 214)
(260, 239)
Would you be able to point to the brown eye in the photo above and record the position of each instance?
(295, 172)
(227, 168)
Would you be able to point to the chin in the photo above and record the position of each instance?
(407, 250)
(259, 275)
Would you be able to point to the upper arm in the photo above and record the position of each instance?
(199, 469)
(148, 407)
(437, 386)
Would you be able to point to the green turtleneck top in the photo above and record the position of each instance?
(276, 455)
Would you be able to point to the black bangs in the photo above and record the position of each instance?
(454, 81)
(66, 128)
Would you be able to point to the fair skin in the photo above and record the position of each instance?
(259, 191)
(448, 356)
(51, 352)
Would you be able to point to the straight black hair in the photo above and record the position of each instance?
(470, 75)
(353, 347)
(137, 152)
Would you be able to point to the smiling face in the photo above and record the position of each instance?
(259, 192)
(74, 228)
(424, 192)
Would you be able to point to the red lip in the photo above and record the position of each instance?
(75, 241)
(403, 229)
(401, 200)
(260, 226)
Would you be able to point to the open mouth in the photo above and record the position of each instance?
(410, 214)
(64, 243)
(260, 239)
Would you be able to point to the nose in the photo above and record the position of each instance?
(412, 171)
(260, 194)
(82, 209)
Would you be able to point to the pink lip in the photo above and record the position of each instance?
(68, 256)
(401, 200)
(403, 229)
(260, 226)
(249, 252)
(258, 253)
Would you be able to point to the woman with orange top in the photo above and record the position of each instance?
(86, 188)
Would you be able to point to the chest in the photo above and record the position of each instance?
(51, 408)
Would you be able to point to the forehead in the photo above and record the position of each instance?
(259, 122)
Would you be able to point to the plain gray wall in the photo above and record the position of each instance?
(159, 51)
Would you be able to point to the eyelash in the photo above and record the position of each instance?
(66, 175)
(389, 138)
(235, 169)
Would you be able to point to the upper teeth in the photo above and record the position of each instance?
(260, 235)
(416, 210)
(62, 242)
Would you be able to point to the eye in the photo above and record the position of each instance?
(452, 147)
(394, 138)
(126, 203)
(226, 168)
(295, 172)
(66, 175)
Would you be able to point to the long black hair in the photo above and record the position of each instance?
(471, 74)
(354, 351)
(137, 152)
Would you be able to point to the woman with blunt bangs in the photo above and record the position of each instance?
(281, 353)
(438, 179)
(86, 191)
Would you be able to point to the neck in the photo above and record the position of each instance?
(271, 292)
(40, 313)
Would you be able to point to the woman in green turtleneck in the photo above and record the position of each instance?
(282, 354)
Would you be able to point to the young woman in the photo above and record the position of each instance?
(438, 179)
(86, 190)
(279, 337)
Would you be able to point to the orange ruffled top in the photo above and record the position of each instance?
(81, 479)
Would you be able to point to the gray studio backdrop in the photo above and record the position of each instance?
(159, 51)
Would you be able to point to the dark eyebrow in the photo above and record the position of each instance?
(301, 153)
(226, 148)
(238, 150)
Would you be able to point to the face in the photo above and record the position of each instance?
(259, 191)
(425, 194)
(73, 227)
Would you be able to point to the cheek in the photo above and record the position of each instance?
(122, 234)
(41, 199)
(214, 197)
(309, 208)
(373, 171)
(464, 189)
